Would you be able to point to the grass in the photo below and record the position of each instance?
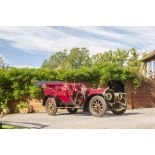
(11, 127)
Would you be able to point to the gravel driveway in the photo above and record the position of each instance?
(138, 118)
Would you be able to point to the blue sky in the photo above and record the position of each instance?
(29, 46)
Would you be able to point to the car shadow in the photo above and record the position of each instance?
(26, 125)
(76, 114)
(108, 114)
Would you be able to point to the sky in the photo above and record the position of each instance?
(29, 46)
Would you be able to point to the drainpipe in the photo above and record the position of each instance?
(132, 104)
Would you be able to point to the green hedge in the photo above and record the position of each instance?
(15, 84)
(18, 83)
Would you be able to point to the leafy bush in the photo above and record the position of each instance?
(3, 105)
(17, 83)
(4, 108)
(22, 105)
(35, 92)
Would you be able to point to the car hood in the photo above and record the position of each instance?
(91, 91)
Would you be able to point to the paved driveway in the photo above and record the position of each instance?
(138, 118)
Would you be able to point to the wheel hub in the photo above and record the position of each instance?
(118, 106)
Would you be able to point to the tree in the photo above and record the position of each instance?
(79, 57)
(45, 64)
(56, 61)
(118, 56)
(76, 58)
(119, 64)
(3, 63)
(116, 64)
(133, 62)
(134, 65)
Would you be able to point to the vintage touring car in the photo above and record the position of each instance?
(74, 96)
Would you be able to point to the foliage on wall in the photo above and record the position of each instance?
(77, 66)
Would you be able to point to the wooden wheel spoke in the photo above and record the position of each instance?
(51, 106)
(97, 106)
(95, 102)
(94, 105)
(119, 107)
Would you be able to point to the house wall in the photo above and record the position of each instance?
(141, 97)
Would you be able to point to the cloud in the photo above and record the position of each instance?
(96, 39)
(24, 66)
(30, 38)
(124, 37)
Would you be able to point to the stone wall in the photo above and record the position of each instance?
(36, 104)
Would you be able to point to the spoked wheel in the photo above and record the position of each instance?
(119, 107)
(51, 107)
(72, 110)
(97, 106)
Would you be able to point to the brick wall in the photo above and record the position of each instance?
(143, 96)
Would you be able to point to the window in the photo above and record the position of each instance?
(151, 69)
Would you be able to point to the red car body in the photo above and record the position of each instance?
(73, 96)
(64, 91)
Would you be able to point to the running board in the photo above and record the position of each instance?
(69, 107)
